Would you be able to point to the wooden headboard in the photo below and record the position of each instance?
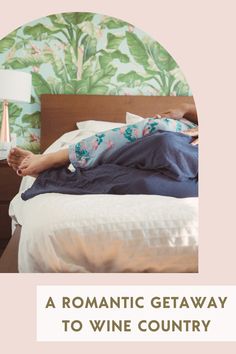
(59, 113)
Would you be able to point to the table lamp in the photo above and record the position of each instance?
(15, 86)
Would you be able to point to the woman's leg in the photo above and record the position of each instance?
(94, 150)
(87, 153)
(28, 164)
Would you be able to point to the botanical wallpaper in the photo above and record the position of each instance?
(84, 53)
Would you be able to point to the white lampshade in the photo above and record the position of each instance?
(15, 86)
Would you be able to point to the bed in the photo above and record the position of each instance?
(101, 233)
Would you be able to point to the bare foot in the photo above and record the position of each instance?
(16, 156)
(33, 164)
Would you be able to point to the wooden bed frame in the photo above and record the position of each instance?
(59, 114)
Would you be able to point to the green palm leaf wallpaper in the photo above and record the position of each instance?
(84, 53)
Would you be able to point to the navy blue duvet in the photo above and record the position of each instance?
(164, 163)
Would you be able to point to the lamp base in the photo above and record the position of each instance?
(5, 148)
(5, 141)
(5, 130)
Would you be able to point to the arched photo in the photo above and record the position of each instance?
(98, 150)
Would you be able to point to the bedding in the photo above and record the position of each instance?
(108, 233)
(105, 233)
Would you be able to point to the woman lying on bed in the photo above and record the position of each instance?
(166, 156)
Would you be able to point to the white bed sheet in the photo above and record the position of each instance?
(105, 233)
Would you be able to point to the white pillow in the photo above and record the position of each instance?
(132, 118)
(71, 137)
(96, 126)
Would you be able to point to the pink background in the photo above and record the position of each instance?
(201, 37)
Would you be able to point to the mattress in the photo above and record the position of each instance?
(105, 233)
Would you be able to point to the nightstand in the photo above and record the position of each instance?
(9, 186)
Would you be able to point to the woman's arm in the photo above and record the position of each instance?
(185, 110)
(190, 112)
(194, 133)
